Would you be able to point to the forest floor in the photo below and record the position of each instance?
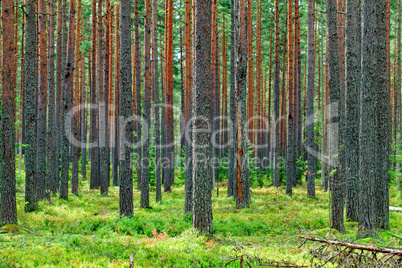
(86, 231)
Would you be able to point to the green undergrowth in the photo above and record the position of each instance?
(86, 231)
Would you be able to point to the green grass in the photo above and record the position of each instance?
(86, 231)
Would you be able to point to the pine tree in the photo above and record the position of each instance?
(169, 176)
(242, 180)
(8, 111)
(42, 101)
(232, 114)
(352, 90)
(188, 85)
(116, 145)
(275, 137)
(52, 161)
(337, 200)
(125, 171)
(137, 95)
(94, 175)
(67, 104)
(147, 107)
(291, 146)
(202, 202)
(155, 88)
(310, 103)
(30, 114)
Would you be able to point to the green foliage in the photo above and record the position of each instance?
(86, 230)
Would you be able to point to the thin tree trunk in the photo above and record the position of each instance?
(224, 121)
(169, 178)
(76, 100)
(297, 92)
(310, 103)
(155, 74)
(8, 108)
(42, 101)
(94, 176)
(217, 108)
(147, 106)
(260, 142)
(291, 154)
(188, 85)
(107, 87)
(138, 96)
(268, 140)
(52, 163)
(243, 185)
(250, 71)
(275, 123)
(116, 147)
(67, 103)
(102, 102)
(232, 115)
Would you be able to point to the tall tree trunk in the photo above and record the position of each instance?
(42, 101)
(155, 86)
(224, 121)
(168, 179)
(94, 176)
(341, 51)
(126, 111)
(243, 185)
(297, 92)
(387, 21)
(250, 71)
(116, 147)
(352, 90)
(311, 169)
(275, 119)
(183, 96)
(232, 115)
(260, 143)
(202, 203)
(374, 141)
(398, 95)
(217, 108)
(138, 95)
(326, 167)
(76, 100)
(147, 106)
(52, 163)
(83, 119)
(31, 67)
(213, 85)
(337, 196)
(268, 135)
(283, 99)
(188, 85)
(67, 104)
(106, 97)
(8, 109)
(102, 102)
(291, 154)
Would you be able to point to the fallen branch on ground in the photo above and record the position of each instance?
(354, 246)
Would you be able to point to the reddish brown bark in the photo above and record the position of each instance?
(224, 125)
(169, 101)
(259, 151)
(250, 72)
